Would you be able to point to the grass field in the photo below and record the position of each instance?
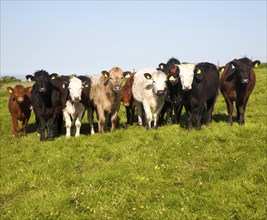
(218, 172)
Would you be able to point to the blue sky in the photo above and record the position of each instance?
(86, 37)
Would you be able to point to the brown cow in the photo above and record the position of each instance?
(128, 100)
(106, 97)
(19, 106)
(236, 84)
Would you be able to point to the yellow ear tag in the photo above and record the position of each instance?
(86, 86)
(256, 65)
(222, 70)
(171, 78)
(10, 90)
(53, 77)
(198, 71)
(106, 75)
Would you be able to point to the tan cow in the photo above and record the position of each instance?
(106, 97)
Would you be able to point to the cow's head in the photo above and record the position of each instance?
(113, 78)
(158, 82)
(241, 68)
(170, 67)
(186, 74)
(19, 92)
(75, 87)
(41, 79)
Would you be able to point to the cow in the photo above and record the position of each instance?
(74, 108)
(19, 106)
(173, 102)
(46, 102)
(128, 100)
(106, 97)
(236, 84)
(199, 85)
(149, 91)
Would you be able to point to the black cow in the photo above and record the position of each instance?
(47, 105)
(236, 85)
(199, 85)
(86, 101)
(173, 102)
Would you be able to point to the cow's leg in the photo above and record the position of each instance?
(101, 120)
(240, 108)
(200, 113)
(59, 123)
(189, 117)
(169, 109)
(133, 114)
(210, 106)
(52, 122)
(78, 123)
(91, 119)
(113, 121)
(67, 124)
(148, 115)
(128, 115)
(24, 126)
(157, 113)
(177, 111)
(15, 127)
(41, 128)
(230, 109)
(139, 112)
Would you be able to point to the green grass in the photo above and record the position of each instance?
(218, 172)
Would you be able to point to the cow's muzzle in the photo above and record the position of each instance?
(42, 89)
(117, 89)
(20, 99)
(245, 81)
(160, 93)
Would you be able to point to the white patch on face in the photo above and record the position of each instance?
(186, 75)
(75, 88)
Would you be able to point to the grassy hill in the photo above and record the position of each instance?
(218, 172)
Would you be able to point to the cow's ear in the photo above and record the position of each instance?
(231, 68)
(147, 75)
(162, 66)
(221, 69)
(9, 89)
(198, 74)
(53, 76)
(29, 89)
(105, 74)
(170, 78)
(126, 74)
(30, 77)
(256, 63)
(85, 84)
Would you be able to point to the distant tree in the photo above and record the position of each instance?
(8, 79)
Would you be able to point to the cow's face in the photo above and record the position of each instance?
(186, 74)
(242, 67)
(19, 92)
(114, 78)
(75, 89)
(41, 79)
(158, 79)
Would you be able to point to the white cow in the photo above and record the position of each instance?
(74, 108)
(149, 91)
